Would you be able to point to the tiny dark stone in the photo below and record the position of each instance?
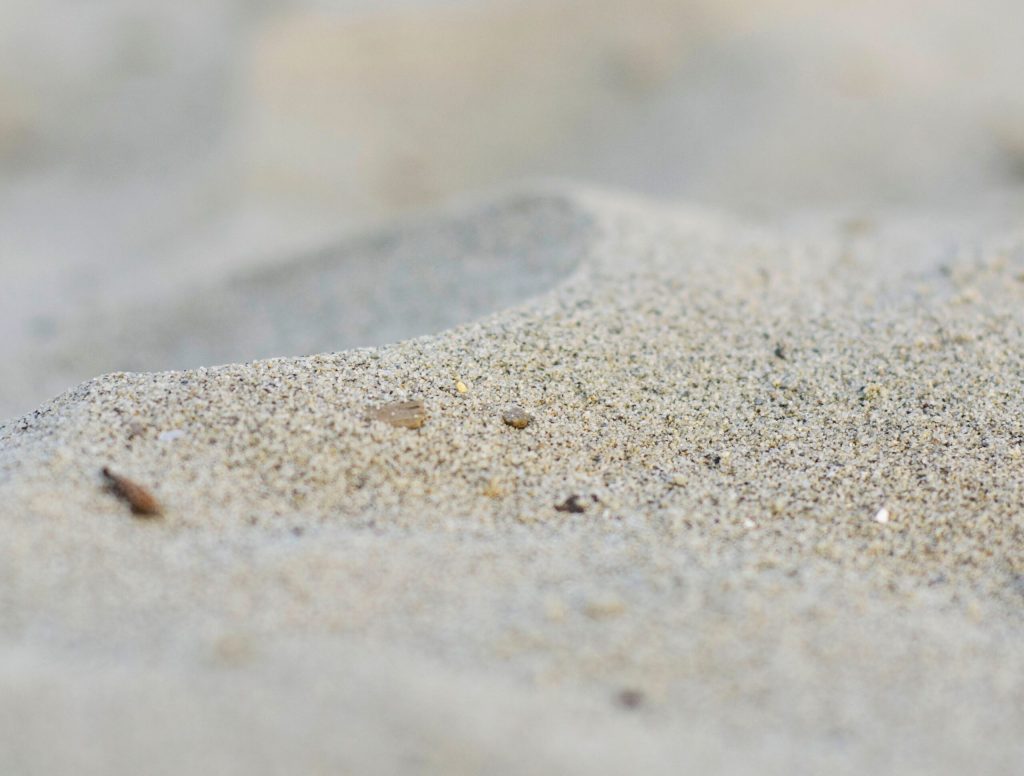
(630, 698)
(571, 504)
(712, 459)
(780, 351)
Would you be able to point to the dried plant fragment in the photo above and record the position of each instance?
(401, 414)
(139, 499)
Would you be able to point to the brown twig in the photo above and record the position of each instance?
(139, 498)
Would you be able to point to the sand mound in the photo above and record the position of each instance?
(415, 278)
(767, 512)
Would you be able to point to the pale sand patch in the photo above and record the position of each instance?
(732, 407)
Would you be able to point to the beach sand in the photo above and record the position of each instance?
(713, 463)
(795, 545)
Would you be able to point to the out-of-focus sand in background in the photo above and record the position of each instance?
(145, 147)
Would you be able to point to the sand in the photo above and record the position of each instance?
(147, 149)
(733, 407)
(750, 272)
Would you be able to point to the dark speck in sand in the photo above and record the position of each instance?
(630, 698)
(571, 504)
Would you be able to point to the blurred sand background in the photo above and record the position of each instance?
(149, 148)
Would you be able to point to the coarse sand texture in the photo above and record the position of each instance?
(676, 493)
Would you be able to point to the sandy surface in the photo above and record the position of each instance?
(766, 515)
(733, 407)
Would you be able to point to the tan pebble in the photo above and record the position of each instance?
(493, 489)
(461, 387)
(604, 607)
(678, 480)
(401, 414)
(516, 417)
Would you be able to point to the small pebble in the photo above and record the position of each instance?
(603, 607)
(461, 387)
(516, 417)
(170, 436)
(882, 516)
(401, 414)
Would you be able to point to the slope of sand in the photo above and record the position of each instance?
(798, 457)
(145, 147)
